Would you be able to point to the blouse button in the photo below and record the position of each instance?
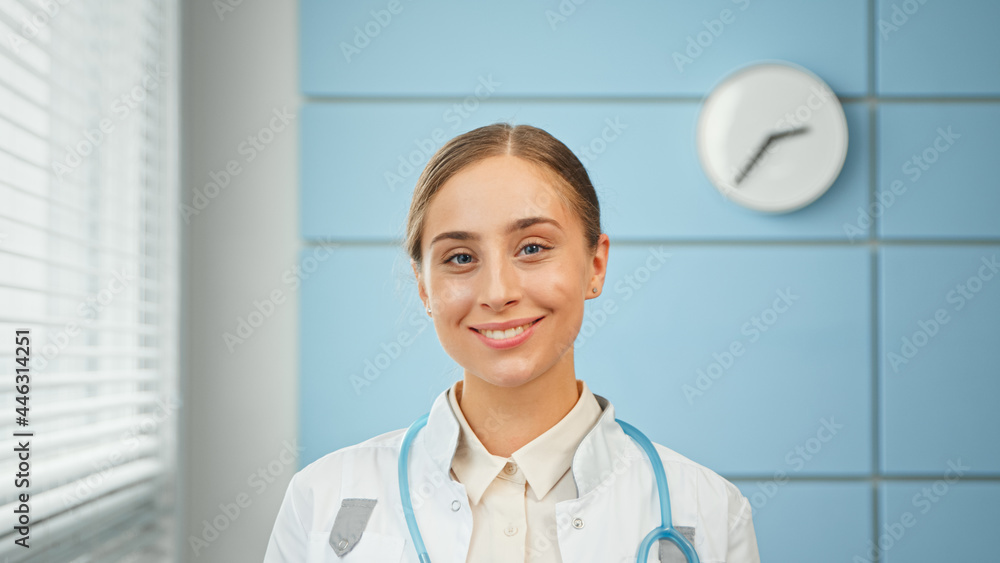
(342, 544)
(510, 469)
(455, 505)
(510, 530)
(578, 523)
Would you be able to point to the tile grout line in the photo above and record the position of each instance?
(859, 478)
(629, 99)
(873, 170)
(877, 243)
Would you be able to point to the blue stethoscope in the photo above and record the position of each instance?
(665, 530)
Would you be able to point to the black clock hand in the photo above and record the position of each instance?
(760, 152)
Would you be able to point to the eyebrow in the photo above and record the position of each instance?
(514, 226)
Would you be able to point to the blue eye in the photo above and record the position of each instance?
(468, 257)
(453, 256)
(536, 245)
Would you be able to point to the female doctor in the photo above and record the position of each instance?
(519, 460)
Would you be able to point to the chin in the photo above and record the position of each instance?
(512, 381)
(507, 375)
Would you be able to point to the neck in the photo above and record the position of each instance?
(506, 418)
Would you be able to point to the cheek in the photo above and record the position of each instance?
(556, 290)
(452, 296)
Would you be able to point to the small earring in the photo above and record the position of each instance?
(595, 290)
(428, 310)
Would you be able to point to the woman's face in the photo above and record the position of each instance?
(500, 248)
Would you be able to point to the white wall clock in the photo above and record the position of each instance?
(772, 137)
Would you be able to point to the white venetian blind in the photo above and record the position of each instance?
(88, 263)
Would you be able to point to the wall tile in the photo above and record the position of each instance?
(641, 157)
(937, 171)
(940, 318)
(938, 48)
(370, 358)
(601, 48)
(796, 394)
(804, 413)
(941, 520)
(838, 526)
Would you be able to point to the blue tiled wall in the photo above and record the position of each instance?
(861, 419)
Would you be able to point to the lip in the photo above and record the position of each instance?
(509, 342)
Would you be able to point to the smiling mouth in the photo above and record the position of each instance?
(506, 334)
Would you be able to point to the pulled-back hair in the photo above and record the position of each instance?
(551, 156)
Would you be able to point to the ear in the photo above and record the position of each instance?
(421, 290)
(598, 267)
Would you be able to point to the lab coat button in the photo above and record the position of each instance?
(511, 530)
(578, 523)
(455, 505)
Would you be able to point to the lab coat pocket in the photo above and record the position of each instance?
(371, 548)
(670, 552)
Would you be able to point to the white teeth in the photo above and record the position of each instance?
(504, 334)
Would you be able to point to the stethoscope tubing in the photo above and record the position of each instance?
(666, 529)
(404, 488)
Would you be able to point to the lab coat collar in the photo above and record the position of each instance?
(543, 461)
(598, 455)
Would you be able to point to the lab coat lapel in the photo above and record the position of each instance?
(447, 532)
(599, 525)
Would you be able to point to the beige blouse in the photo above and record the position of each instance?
(513, 499)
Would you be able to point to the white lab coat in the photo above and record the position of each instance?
(616, 506)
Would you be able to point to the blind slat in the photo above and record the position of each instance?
(79, 436)
(85, 516)
(108, 533)
(147, 288)
(76, 239)
(59, 499)
(47, 411)
(70, 378)
(79, 466)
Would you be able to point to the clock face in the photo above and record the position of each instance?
(772, 137)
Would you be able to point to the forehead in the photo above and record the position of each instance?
(494, 191)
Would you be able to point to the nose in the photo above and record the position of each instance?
(501, 284)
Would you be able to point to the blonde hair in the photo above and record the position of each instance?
(532, 144)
